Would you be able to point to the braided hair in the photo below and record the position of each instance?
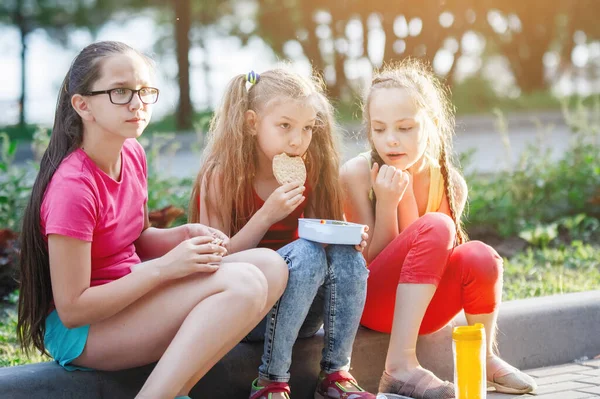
(432, 97)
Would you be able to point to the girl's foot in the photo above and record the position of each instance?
(269, 390)
(506, 378)
(417, 383)
(340, 385)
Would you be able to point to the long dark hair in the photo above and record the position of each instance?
(35, 288)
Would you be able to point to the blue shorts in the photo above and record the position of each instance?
(64, 344)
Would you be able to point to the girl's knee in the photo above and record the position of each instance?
(481, 260)
(247, 283)
(430, 249)
(304, 258)
(347, 262)
(273, 267)
(439, 226)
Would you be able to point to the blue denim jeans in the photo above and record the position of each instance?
(325, 285)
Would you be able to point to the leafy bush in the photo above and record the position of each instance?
(540, 191)
(163, 190)
(14, 186)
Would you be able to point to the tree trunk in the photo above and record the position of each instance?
(389, 55)
(183, 11)
(21, 23)
(206, 71)
(339, 60)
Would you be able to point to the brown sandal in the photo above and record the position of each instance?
(417, 387)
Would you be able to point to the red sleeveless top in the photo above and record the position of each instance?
(286, 230)
(283, 232)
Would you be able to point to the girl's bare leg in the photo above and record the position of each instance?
(275, 271)
(185, 324)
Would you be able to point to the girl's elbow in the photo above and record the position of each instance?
(69, 317)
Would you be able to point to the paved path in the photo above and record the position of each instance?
(491, 151)
(478, 133)
(568, 381)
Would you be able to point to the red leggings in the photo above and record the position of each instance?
(467, 277)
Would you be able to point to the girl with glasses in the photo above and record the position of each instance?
(100, 288)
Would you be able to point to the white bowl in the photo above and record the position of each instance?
(330, 231)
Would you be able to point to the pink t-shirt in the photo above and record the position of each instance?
(83, 202)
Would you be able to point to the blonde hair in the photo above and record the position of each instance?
(230, 156)
(432, 98)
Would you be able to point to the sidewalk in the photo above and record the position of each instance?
(568, 381)
(476, 133)
(491, 151)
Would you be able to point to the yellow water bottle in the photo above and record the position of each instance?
(468, 347)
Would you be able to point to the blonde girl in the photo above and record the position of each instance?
(422, 269)
(236, 191)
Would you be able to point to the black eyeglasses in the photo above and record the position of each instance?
(122, 96)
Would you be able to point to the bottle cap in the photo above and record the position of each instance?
(475, 332)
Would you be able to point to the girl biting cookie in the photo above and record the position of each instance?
(272, 158)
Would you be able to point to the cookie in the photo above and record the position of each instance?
(219, 242)
(289, 169)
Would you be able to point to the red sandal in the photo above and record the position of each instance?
(267, 391)
(330, 387)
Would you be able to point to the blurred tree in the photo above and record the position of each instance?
(57, 18)
(183, 23)
(522, 31)
(525, 31)
(192, 22)
(323, 29)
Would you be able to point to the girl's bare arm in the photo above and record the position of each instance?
(408, 210)
(79, 304)
(154, 243)
(383, 223)
(248, 237)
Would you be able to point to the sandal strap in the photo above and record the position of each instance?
(272, 387)
(417, 384)
(339, 376)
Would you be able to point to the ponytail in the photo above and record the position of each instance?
(230, 156)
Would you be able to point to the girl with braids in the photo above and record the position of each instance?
(423, 271)
(236, 191)
(100, 288)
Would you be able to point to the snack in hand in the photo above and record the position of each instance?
(217, 241)
(289, 169)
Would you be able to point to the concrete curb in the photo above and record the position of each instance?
(532, 333)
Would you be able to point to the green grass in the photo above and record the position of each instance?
(10, 352)
(549, 271)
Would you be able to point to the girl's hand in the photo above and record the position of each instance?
(363, 244)
(282, 202)
(388, 183)
(409, 186)
(191, 256)
(197, 230)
